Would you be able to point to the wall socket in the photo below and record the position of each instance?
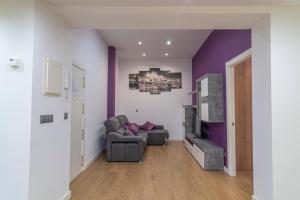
(44, 119)
(66, 115)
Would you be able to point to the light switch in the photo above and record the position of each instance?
(44, 119)
(66, 115)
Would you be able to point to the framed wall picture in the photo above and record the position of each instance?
(155, 81)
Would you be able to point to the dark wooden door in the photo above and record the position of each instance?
(243, 115)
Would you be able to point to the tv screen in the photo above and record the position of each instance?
(197, 131)
(201, 131)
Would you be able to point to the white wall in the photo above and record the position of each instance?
(276, 108)
(16, 41)
(166, 108)
(262, 116)
(90, 51)
(50, 143)
(285, 73)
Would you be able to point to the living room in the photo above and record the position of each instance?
(147, 99)
(149, 62)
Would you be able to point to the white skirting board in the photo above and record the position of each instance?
(91, 161)
(67, 196)
(226, 170)
(254, 198)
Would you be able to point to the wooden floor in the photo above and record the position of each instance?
(167, 173)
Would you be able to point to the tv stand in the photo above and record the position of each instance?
(209, 155)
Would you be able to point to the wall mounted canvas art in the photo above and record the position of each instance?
(133, 81)
(155, 81)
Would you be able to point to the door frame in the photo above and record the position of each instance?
(231, 144)
(80, 67)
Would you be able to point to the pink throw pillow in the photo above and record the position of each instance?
(128, 123)
(148, 126)
(133, 128)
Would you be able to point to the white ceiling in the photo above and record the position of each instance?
(185, 43)
(173, 2)
(165, 14)
(138, 19)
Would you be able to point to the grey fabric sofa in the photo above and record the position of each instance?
(122, 146)
(156, 136)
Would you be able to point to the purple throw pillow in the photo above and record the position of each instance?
(148, 126)
(133, 128)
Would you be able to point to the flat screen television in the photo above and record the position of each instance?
(201, 129)
(197, 131)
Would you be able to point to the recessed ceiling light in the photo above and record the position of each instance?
(169, 42)
(166, 54)
(140, 43)
(144, 54)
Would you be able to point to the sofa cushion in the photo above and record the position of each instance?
(123, 119)
(155, 132)
(112, 124)
(128, 133)
(121, 131)
(148, 126)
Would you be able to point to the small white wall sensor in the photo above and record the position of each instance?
(15, 64)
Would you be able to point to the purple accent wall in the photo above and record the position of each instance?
(220, 47)
(111, 82)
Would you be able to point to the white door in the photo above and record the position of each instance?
(77, 122)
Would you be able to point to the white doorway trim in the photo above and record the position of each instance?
(80, 68)
(231, 149)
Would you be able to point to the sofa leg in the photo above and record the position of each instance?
(165, 144)
(140, 162)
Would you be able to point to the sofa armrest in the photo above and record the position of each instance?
(114, 137)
